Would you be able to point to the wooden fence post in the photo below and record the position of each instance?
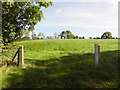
(97, 54)
(20, 56)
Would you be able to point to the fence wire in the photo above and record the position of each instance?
(8, 53)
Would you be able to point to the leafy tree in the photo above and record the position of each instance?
(67, 34)
(76, 37)
(90, 37)
(41, 35)
(63, 34)
(71, 36)
(83, 37)
(17, 16)
(106, 35)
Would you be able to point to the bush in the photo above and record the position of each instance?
(26, 38)
(36, 38)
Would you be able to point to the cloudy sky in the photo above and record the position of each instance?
(83, 17)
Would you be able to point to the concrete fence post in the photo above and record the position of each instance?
(97, 54)
(21, 55)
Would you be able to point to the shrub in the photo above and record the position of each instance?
(26, 38)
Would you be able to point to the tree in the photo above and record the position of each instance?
(83, 37)
(17, 16)
(63, 34)
(67, 34)
(71, 36)
(55, 35)
(90, 37)
(41, 35)
(76, 37)
(106, 35)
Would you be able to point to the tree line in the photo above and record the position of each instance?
(67, 34)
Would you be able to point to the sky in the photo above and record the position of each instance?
(89, 18)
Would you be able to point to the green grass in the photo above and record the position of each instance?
(64, 64)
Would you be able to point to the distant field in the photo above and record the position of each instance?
(45, 49)
(65, 63)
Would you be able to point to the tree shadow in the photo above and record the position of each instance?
(72, 71)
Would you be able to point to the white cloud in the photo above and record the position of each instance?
(58, 11)
(87, 18)
(79, 15)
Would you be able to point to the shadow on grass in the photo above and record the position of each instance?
(72, 71)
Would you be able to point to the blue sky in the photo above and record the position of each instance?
(84, 18)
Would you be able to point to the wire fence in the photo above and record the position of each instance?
(8, 53)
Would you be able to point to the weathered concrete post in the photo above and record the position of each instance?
(97, 54)
(21, 55)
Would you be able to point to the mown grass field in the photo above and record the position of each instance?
(64, 64)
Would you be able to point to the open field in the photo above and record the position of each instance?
(64, 64)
